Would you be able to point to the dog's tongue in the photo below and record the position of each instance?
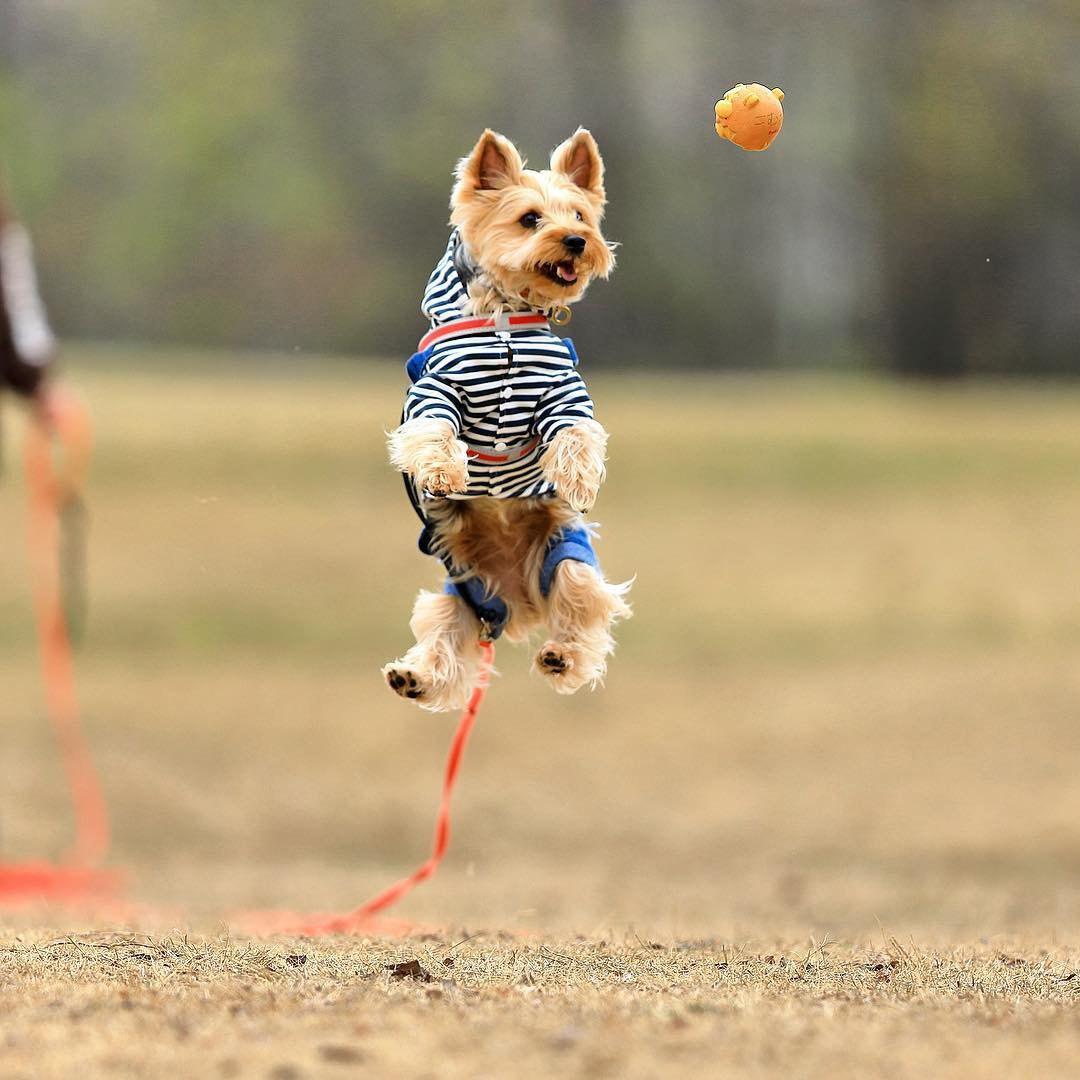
(566, 272)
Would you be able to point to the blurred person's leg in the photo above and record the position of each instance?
(27, 345)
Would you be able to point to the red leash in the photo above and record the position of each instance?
(362, 918)
(78, 876)
(49, 488)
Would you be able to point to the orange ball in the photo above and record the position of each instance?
(750, 116)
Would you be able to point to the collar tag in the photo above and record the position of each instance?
(561, 315)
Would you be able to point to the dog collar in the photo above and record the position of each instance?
(466, 269)
(503, 322)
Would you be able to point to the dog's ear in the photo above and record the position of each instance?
(494, 163)
(579, 160)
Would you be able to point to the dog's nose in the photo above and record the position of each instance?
(576, 244)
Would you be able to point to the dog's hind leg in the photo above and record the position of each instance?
(438, 671)
(582, 607)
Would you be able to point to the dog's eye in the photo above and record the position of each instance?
(577, 214)
(530, 220)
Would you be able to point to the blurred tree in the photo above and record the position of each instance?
(970, 170)
(276, 174)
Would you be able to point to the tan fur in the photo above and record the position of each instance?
(581, 610)
(494, 190)
(574, 463)
(439, 670)
(430, 452)
(503, 541)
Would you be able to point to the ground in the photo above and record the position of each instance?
(822, 819)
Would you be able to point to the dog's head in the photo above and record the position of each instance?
(535, 235)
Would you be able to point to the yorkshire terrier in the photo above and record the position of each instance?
(498, 444)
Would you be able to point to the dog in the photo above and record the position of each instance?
(498, 444)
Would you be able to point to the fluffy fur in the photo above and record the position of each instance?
(430, 452)
(494, 191)
(503, 541)
(574, 463)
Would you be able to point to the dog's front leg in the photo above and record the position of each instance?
(574, 463)
(430, 452)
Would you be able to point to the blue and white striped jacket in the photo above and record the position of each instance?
(507, 384)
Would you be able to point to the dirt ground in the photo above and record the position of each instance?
(822, 819)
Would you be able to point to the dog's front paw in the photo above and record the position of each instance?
(579, 490)
(449, 477)
(574, 463)
(432, 454)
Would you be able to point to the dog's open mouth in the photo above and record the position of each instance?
(561, 273)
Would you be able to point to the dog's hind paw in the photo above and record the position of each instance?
(552, 661)
(405, 681)
(561, 667)
(569, 667)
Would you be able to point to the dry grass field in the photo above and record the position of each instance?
(824, 818)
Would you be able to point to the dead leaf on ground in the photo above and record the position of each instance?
(409, 969)
(340, 1055)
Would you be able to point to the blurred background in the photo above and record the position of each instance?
(276, 174)
(849, 695)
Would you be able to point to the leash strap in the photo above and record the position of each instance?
(360, 917)
(49, 490)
